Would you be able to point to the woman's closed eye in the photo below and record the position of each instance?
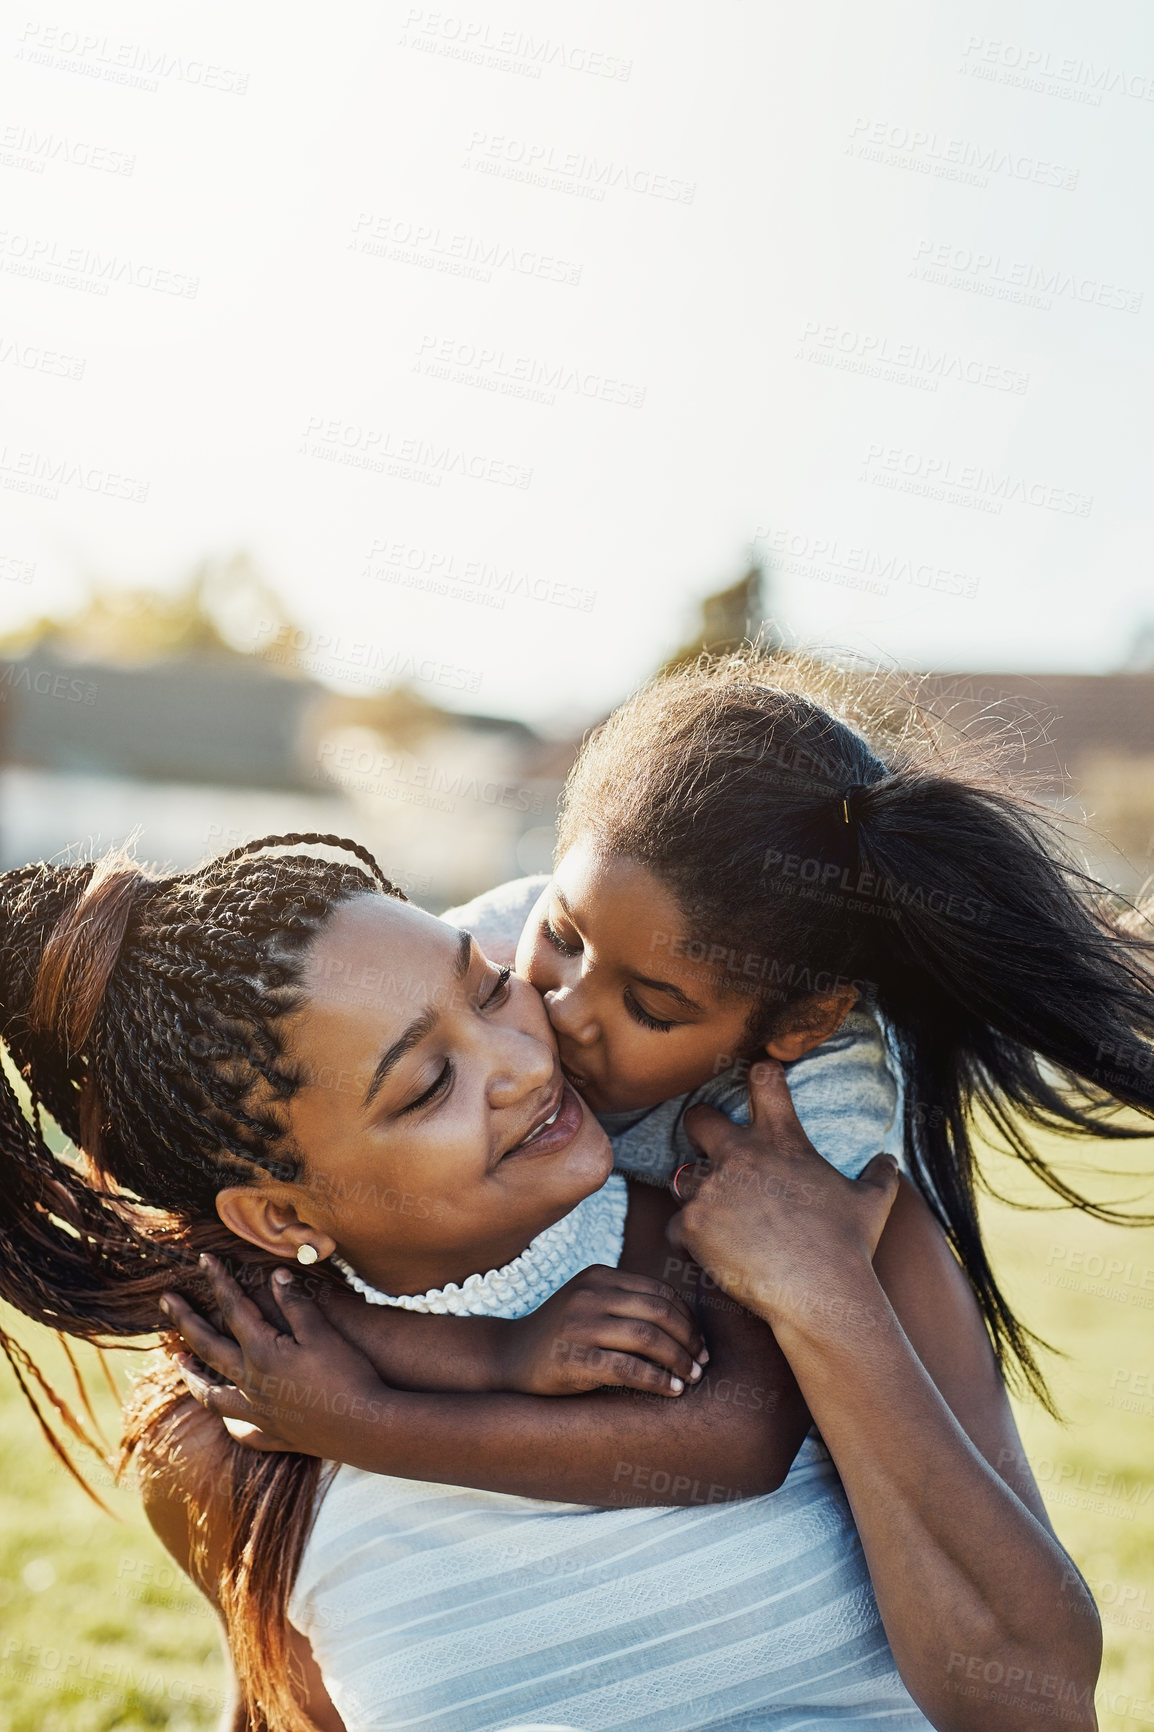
(496, 996)
(433, 1092)
(499, 991)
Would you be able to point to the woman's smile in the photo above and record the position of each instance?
(555, 1130)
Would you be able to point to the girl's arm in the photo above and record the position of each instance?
(733, 1434)
(990, 1623)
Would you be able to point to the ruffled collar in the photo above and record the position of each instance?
(593, 1232)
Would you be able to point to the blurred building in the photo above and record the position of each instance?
(160, 719)
(1083, 742)
(196, 753)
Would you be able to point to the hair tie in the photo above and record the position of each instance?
(847, 796)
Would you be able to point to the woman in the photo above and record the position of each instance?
(184, 1033)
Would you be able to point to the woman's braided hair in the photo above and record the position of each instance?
(143, 1012)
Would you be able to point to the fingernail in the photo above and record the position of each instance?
(282, 1277)
(696, 1374)
(166, 1307)
(203, 1259)
(703, 1356)
(676, 1385)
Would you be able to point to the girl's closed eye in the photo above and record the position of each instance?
(554, 938)
(643, 1016)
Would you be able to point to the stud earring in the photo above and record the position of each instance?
(307, 1253)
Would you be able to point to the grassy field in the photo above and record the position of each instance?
(100, 1632)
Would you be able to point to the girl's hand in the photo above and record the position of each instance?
(605, 1327)
(299, 1391)
(769, 1220)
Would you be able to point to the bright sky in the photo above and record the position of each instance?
(498, 336)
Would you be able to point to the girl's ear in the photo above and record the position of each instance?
(250, 1213)
(814, 1019)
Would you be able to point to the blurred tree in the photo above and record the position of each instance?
(731, 617)
(225, 607)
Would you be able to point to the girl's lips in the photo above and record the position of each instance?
(570, 1116)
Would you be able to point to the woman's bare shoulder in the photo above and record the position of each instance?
(182, 1468)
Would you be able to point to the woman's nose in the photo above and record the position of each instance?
(526, 1065)
(570, 1015)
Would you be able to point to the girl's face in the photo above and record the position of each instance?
(641, 1013)
(438, 1131)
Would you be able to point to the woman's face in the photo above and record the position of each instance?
(438, 1131)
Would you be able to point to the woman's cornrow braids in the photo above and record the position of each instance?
(183, 1068)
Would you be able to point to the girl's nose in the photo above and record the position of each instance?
(570, 1016)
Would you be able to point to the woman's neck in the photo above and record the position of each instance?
(391, 1270)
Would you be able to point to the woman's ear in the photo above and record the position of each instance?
(250, 1213)
(814, 1020)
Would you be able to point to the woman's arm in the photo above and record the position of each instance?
(181, 1486)
(990, 1623)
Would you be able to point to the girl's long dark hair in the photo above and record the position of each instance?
(143, 1014)
(1011, 981)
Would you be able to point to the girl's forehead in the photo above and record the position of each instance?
(633, 922)
(615, 884)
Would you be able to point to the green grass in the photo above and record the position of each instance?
(99, 1631)
(99, 1628)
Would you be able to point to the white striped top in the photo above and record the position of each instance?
(437, 1607)
(452, 1610)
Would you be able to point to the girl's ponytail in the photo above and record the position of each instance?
(1009, 984)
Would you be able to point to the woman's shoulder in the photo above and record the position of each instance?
(182, 1470)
